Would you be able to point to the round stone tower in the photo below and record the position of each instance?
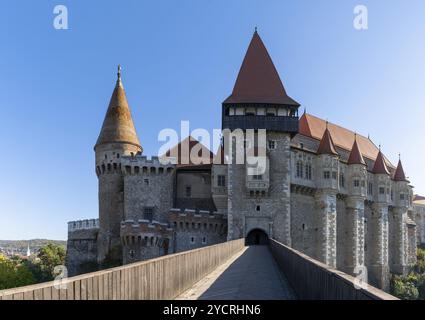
(117, 138)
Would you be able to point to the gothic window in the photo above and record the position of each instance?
(148, 213)
(221, 181)
(326, 175)
(188, 191)
(299, 169)
(308, 171)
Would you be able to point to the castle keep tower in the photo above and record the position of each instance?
(259, 204)
(117, 138)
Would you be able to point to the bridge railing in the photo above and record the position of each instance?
(313, 280)
(161, 278)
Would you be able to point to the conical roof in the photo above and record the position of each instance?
(326, 144)
(399, 173)
(118, 126)
(355, 155)
(380, 167)
(258, 80)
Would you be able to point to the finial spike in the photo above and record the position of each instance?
(399, 156)
(327, 123)
(119, 72)
(255, 31)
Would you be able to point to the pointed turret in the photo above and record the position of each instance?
(258, 80)
(326, 144)
(118, 126)
(399, 173)
(380, 167)
(356, 156)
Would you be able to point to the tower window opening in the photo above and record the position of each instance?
(148, 213)
(326, 175)
(258, 208)
(188, 191)
(299, 172)
(204, 240)
(192, 240)
(272, 144)
(221, 181)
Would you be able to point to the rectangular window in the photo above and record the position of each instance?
(334, 175)
(357, 183)
(363, 184)
(308, 171)
(342, 180)
(401, 196)
(188, 191)
(148, 213)
(257, 177)
(370, 189)
(221, 181)
(326, 175)
(146, 181)
(381, 190)
(272, 145)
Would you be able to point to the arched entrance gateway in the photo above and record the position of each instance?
(257, 237)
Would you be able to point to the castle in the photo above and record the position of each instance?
(325, 191)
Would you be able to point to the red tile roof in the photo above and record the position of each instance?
(258, 81)
(399, 173)
(326, 144)
(355, 155)
(315, 127)
(380, 167)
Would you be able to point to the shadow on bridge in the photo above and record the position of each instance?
(253, 275)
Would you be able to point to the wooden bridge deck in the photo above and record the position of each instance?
(250, 274)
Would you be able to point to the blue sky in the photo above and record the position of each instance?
(180, 60)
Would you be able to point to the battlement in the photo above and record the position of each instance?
(88, 224)
(198, 220)
(143, 165)
(145, 232)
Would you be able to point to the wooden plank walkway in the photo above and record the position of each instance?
(251, 274)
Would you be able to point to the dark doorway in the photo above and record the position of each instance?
(257, 237)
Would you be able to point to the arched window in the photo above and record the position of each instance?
(299, 169)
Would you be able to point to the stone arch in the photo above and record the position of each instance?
(257, 236)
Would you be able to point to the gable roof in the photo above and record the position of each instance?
(184, 158)
(258, 80)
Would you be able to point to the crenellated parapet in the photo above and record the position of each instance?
(88, 224)
(145, 233)
(140, 165)
(191, 220)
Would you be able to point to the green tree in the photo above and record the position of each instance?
(49, 256)
(14, 273)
